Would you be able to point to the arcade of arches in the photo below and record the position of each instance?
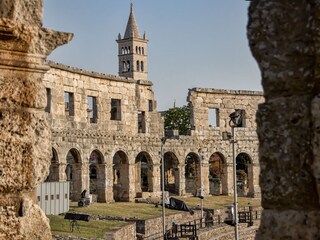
(121, 179)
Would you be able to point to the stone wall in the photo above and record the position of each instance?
(25, 133)
(122, 147)
(284, 39)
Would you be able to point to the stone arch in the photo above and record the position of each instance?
(192, 173)
(172, 173)
(141, 66)
(142, 50)
(244, 174)
(73, 173)
(120, 176)
(217, 174)
(143, 173)
(138, 66)
(96, 174)
(139, 50)
(54, 167)
(125, 50)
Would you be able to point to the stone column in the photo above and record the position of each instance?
(284, 39)
(109, 183)
(62, 172)
(229, 179)
(25, 143)
(102, 182)
(205, 178)
(156, 177)
(131, 184)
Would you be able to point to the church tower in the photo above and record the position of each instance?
(132, 51)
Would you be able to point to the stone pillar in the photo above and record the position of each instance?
(102, 182)
(229, 179)
(25, 143)
(284, 39)
(255, 188)
(183, 179)
(131, 184)
(156, 177)
(205, 178)
(62, 172)
(109, 183)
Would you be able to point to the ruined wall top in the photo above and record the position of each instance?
(226, 91)
(96, 74)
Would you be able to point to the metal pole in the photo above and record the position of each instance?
(201, 186)
(162, 183)
(235, 185)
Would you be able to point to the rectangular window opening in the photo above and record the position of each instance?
(213, 117)
(150, 103)
(69, 103)
(48, 106)
(115, 109)
(141, 122)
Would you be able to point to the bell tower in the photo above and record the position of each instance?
(132, 51)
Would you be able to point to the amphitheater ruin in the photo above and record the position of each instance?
(104, 132)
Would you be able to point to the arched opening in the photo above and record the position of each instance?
(124, 66)
(120, 177)
(73, 173)
(138, 66)
(139, 50)
(125, 50)
(143, 51)
(96, 173)
(122, 50)
(171, 172)
(143, 173)
(128, 66)
(54, 168)
(217, 178)
(192, 174)
(244, 167)
(142, 66)
(129, 49)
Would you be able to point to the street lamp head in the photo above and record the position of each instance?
(163, 140)
(235, 118)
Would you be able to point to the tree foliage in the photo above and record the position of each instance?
(178, 118)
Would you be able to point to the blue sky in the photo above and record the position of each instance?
(192, 43)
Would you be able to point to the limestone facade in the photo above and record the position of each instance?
(106, 133)
(118, 158)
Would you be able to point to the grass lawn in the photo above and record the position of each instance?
(97, 229)
(122, 209)
(91, 229)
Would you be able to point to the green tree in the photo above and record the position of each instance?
(178, 118)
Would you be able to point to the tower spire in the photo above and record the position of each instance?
(132, 29)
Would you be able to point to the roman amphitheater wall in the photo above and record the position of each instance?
(126, 162)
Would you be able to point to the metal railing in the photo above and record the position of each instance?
(190, 229)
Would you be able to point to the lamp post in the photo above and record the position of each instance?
(201, 194)
(163, 141)
(235, 121)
